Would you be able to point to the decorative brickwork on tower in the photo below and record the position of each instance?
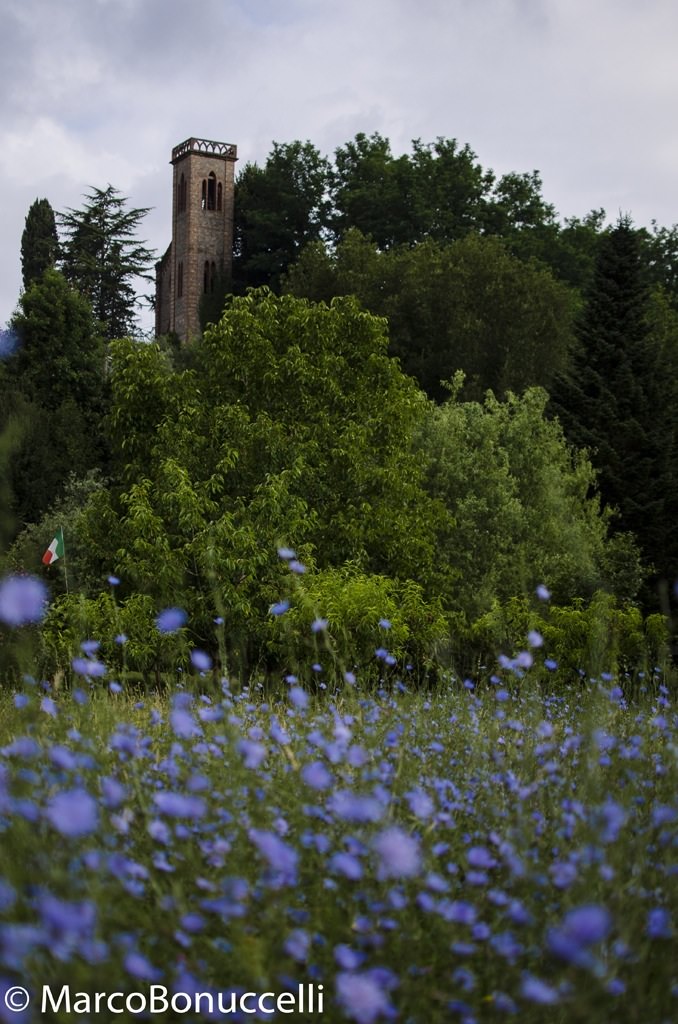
(201, 250)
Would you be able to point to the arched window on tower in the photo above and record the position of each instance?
(213, 275)
(181, 195)
(180, 280)
(212, 191)
(206, 277)
(203, 202)
(219, 196)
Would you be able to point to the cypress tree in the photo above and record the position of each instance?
(54, 388)
(39, 242)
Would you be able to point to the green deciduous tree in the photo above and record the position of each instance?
(370, 191)
(279, 208)
(293, 426)
(437, 192)
(521, 505)
(39, 242)
(102, 257)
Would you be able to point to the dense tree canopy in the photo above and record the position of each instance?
(468, 306)
(438, 192)
(522, 502)
(305, 440)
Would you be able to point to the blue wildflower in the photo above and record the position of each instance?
(252, 753)
(281, 857)
(88, 667)
(139, 967)
(347, 865)
(537, 991)
(460, 912)
(316, 775)
(563, 874)
(297, 945)
(70, 926)
(170, 620)
(348, 958)
(350, 807)
(178, 805)
(183, 724)
(480, 857)
(362, 997)
(73, 813)
(23, 600)
(280, 608)
(398, 852)
(113, 793)
(62, 757)
(612, 817)
(201, 660)
(659, 924)
(192, 922)
(580, 929)
(298, 697)
(421, 804)
(48, 706)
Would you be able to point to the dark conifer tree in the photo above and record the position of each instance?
(39, 242)
(102, 257)
(617, 400)
(54, 389)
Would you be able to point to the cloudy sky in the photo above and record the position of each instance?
(99, 91)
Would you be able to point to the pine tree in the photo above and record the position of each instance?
(39, 242)
(102, 258)
(617, 399)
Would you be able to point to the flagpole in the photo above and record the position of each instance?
(63, 540)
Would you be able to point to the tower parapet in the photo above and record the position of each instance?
(208, 147)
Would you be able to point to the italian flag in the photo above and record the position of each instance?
(55, 550)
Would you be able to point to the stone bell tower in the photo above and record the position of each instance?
(201, 250)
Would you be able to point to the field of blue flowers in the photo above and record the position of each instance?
(479, 852)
